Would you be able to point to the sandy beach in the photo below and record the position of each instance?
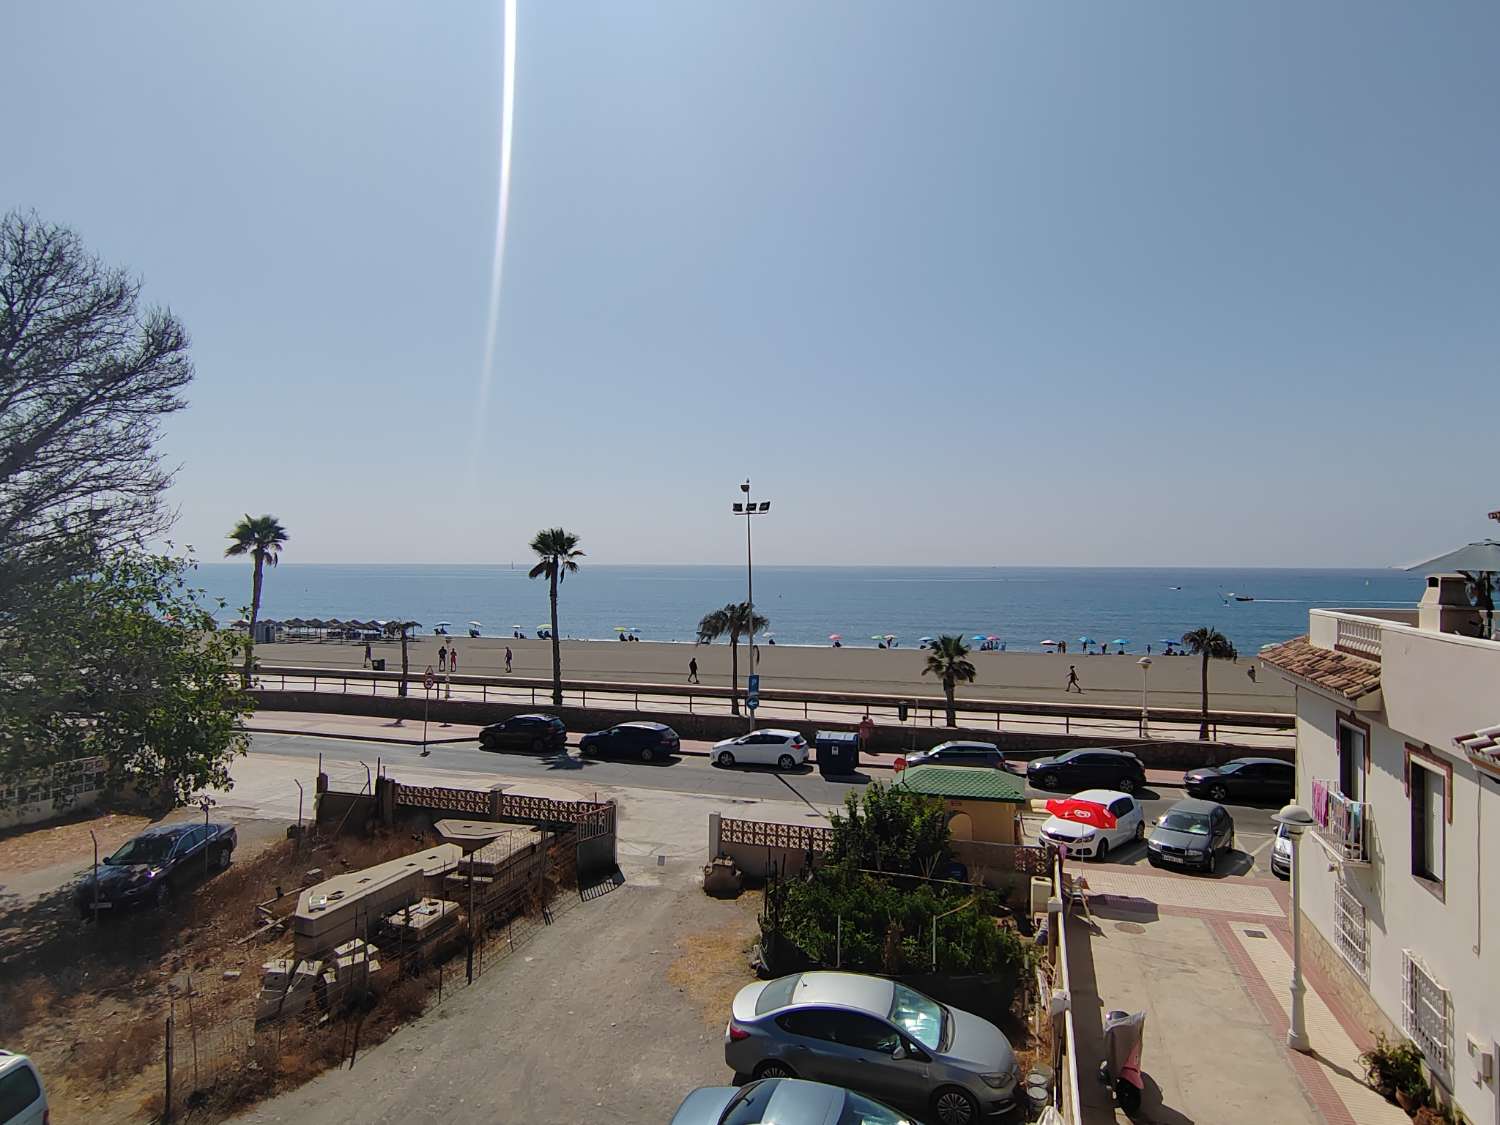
(1174, 680)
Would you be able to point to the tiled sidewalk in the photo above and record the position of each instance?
(1188, 948)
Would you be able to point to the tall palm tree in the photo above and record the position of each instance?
(1211, 645)
(404, 628)
(947, 657)
(732, 621)
(261, 538)
(557, 552)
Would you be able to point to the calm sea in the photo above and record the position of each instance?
(805, 605)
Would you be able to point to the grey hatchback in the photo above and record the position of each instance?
(1191, 834)
(783, 1101)
(876, 1036)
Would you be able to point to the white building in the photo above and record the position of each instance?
(1398, 758)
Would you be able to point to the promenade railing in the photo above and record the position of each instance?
(1269, 729)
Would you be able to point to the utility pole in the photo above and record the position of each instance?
(749, 508)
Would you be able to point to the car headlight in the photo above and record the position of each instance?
(1089, 835)
(999, 1081)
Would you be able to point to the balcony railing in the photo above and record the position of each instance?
(1342, 825)
(1362, 638)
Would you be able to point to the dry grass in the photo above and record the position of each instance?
(712, 965)
(30, 849)
(121, 1051)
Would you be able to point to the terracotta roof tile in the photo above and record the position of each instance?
(1338, 672)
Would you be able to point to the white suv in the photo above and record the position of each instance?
(22, 1099)
(1088, 840)
(766, 747)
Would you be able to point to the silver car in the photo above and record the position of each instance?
(875, 1036)
(783, 1101)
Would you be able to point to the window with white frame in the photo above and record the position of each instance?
(1351, 930)
(1426, 1013)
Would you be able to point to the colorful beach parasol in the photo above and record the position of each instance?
(979, 636)
(835, 636)
(1081, 812)
(1085, 640)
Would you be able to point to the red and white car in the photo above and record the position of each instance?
(1093, 823)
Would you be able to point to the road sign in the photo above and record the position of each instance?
(752, 692)
(429, 681)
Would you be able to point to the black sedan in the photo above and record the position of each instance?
(645, 742)
(153, 866)
(1192, 833)
(956, 754)
(1247, 779)
(1088, 769)
(537, 733)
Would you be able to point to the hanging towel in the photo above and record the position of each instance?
(1320, 802)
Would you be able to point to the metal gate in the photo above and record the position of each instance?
(596, 843)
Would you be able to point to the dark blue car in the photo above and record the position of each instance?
(148, 869)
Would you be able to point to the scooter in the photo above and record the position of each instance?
(1121, 1066)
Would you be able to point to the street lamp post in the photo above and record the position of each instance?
(748, 508)
(1144, 663)
(1297, 820)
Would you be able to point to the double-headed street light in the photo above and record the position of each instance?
(748, 508)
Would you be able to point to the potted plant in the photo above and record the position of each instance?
(1395, 1070)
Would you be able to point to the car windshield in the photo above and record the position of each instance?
(862, 1111)
(143, 849)
(1193, 823)
(921, 1018)
(777, 994)
(1231, 767)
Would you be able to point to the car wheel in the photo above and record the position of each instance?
(953, 1106)
(163, 896)
(1103, 850)
(1128, 785)
(1049, 781)
(725, 758)
(1140, 831)
(648, 754)
(786, 761)
(774, 1069)
(538, 746)
(1219, 793)
(224, 858)
(1213, 861)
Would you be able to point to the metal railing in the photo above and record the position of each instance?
(1098, 720)
(1344, 827)
(1362, 638)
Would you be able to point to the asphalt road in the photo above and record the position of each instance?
(692, 773)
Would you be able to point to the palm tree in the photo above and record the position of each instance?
(558, 553)
(261, 538)
(947, 657)
(733, 620)
(404, 628)
(1211, 645)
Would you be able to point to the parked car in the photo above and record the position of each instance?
(1192, 833)
(23, 1100)
(646, 742)
(956, 754)
(1248, 779)
(1281, 853)
(783, 1101)
(537, 733)
(1078, 769)
(764, 747)
(151, 867)
(876, 1035)
(1089, 840)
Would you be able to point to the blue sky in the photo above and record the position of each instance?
(969, 283)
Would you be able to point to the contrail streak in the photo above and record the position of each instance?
(502, 213)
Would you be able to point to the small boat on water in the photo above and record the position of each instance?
(1241, 597)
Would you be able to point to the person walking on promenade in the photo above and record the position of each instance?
(866, 732)
(507, 658)
(442, 658)
(368, 658)
(453, 660)
(693, 671)
(1073, 681)
(1250, 671)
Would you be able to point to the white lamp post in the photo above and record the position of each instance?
(1144, 663)
(1297, 821)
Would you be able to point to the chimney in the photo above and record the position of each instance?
(1445, 607)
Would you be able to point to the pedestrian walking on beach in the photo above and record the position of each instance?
(693, 671)
(507, 658)
(1073, 681)
(866, 732)
(368, 658)
(442, 658)
(1250, 671)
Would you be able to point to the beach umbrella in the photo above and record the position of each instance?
(1081, 812)
(992, 637)
(1119, 641)
(477, 624)
(1167, 641)
(1053, 643)
(835, 636)
(979, 636)
(436, 624)
(621, 629)
(544, 625)
(924, 640)
(1085, 640)
(1475, 557)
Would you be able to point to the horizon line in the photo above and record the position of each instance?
(848, 566)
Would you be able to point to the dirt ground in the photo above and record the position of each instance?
(88, 1001)
(615, 1012)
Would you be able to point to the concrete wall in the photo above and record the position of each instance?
(1457, 934)
(1156, 755)
(991, 822)
(45, 794)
